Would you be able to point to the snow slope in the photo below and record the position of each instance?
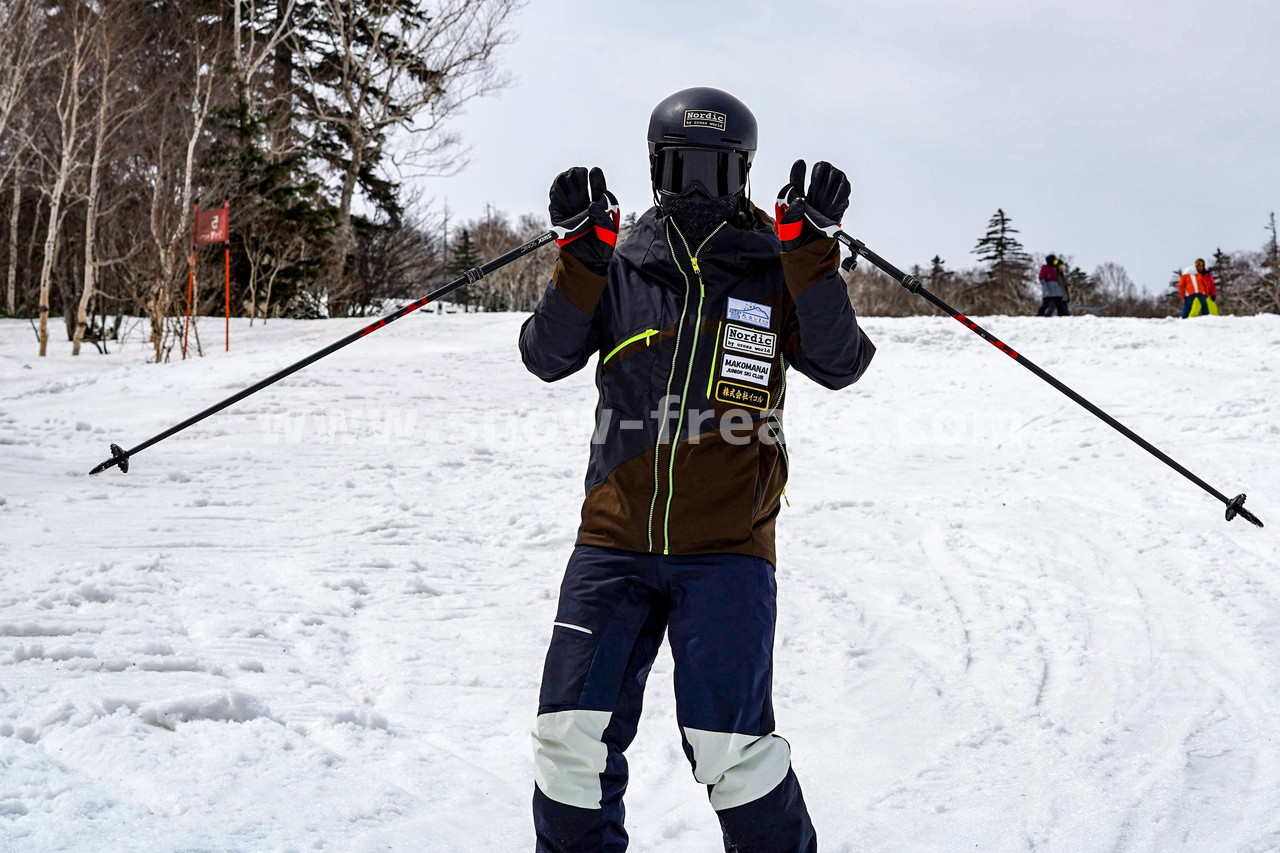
(317, 620)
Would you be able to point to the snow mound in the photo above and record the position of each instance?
(360, 717)
(228, 706)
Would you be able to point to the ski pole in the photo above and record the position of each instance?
(121, 457)
(1235, 506)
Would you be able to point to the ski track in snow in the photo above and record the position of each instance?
(316, 621)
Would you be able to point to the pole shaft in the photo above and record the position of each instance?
(916, 286)
(470, 277)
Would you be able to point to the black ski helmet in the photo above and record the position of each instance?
(701, 118)
(705, 118)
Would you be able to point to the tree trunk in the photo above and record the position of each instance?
(68, 110)
(157, 323)
(11, 288)
(169, 243)
(346, 230)
(33, 239)
(266, 302)
(50, 249)
(193, 310)
(91, 228)
(253, 286)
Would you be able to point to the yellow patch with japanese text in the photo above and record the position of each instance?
(741, 395)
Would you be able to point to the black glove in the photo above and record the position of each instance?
(589, 238)
(804, 217)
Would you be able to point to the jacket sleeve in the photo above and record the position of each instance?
(822, 338)
(564, 330)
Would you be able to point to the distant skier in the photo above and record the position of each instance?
(1064, 279)
(1198, 290)
(696, 318)
(1052, 288)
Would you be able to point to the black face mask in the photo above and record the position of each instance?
(697, 214)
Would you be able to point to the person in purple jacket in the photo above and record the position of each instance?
(694, 322)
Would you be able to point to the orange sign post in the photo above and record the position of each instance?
(214, 226)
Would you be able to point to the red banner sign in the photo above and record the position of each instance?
(213, 226)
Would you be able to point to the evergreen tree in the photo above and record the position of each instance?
(307, 114)
(1080, 286)
(375, 68)
(1223, 267)
(463, 256)
(938, 274)
(628, 223)
(280, 216)
(1173, 297)
(1269, 289)
(1226, 277)
(1004, 286)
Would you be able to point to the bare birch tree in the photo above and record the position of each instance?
(20, 56)
(72, 31)
(11, 274)
(174, 144)
(114, 51)
(117, 115)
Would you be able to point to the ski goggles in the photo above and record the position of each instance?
(719, 172)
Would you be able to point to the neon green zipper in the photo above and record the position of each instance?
(715, 351)
(645, 336)
(671, 375)
(688, 374)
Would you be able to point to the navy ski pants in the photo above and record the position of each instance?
(718, 611)
(1192, 300)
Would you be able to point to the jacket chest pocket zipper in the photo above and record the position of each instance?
(645, 336)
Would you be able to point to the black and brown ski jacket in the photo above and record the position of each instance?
(694, 344)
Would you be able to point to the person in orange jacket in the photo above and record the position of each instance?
(1197, 288)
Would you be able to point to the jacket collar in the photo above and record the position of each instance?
(731, 248)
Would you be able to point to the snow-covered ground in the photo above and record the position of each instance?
(317, 620)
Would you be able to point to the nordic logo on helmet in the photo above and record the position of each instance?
(705, 118)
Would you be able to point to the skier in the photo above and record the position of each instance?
(1198, 290)
(696, 318)
(1063, 277)
(1051, 288)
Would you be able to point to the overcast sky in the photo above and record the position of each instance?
(1144, 133)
